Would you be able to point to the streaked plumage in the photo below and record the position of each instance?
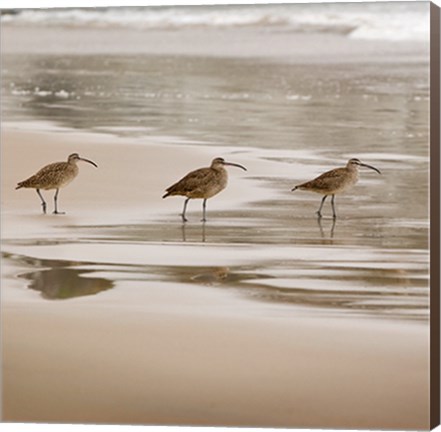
(202, 183)
(54, 176)
(334, 181)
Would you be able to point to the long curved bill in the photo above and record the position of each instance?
(89, 161)
(371, 167)
(235, 164)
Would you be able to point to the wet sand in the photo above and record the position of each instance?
(167, 338)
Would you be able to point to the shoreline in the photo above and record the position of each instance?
(175, 352)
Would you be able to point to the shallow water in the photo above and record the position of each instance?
(330, 267)
(262, 103)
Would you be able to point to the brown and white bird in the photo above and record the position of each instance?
(333, 182)
(202, 183)
(54, 176)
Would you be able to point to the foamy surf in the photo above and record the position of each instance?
(368, 21)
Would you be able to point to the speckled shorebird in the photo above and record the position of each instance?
(202, 183)
(334, 182)
(54, 176)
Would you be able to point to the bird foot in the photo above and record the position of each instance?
(57, 212)
(204, 220)
(184, 219)
(319, 215)
(44, 208)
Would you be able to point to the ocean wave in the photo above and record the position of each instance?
(374, 21)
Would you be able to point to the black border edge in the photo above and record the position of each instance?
(434, 215)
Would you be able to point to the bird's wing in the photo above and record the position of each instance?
(191, 182)
(327, 181)
(45, 176)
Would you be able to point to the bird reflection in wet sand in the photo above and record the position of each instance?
(213, 276)
(333, 182)
(202, 183)
(322, 232)
(231, 278)
(184, 233)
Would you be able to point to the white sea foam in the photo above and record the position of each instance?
(372, 21)
(62, 94)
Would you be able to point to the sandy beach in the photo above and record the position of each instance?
(117, 312)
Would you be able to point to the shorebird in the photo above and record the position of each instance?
(202, 183)
(334, 182)
(54, 176)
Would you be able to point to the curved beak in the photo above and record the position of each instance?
(371, 167)
(235, 164)
(89, 161)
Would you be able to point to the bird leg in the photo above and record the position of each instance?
(204, 209)
(319, 211)
(55, 203)
(184, 219)
(43, 202)
(334, 214)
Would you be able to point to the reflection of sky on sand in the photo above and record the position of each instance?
(363, 279)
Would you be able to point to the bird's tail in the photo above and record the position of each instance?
(171, 191)
(19, 186)
(294, 188)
